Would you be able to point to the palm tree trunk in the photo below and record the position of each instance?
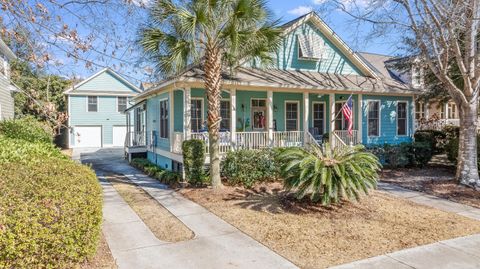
(467, 169)
(213, 87)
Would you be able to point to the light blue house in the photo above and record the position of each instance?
(295, 103)
(96, 109)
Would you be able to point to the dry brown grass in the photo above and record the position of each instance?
(103, 259)
(313, 236)
(160, 221)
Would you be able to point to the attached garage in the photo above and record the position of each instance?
(119, 134)
(87, 136)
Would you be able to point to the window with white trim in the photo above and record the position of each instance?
(373, 118)
(121, 104)
(319, 117)
(92, 103)
(163, 133)
(196, 118)
(310, 46)
(402, 118)
(225, 114)
(291, 116)
(419, 110)
(452, 111)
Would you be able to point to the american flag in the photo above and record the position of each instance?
(347, 110)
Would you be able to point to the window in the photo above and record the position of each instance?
(310, 46)
(92, 103)
(225, 114)
(341, 122)
(291, 116)
(442, 112)
(196, 115)
(319, 117)
(452, 111)
(401, 118)
(121, 104)
(163, 119)
(373, 118)
(419, 110)
(259, 114)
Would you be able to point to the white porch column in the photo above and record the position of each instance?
(187, 110)
(331, 100)
(233, 117)
(360, 118)
(306, 110)
(171, 118)
(270, 116)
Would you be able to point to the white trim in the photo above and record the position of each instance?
(285, 113)
(187, 113)
(233, 116)
(379, 117)
(324, 114)
(101, 93)
(98, 101)
(115, 74)
(171, 118)
(201, 112)
(116, 104)
(406, 119)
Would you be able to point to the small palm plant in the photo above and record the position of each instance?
(329, 174)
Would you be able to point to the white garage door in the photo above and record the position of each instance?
(88, 136)
(119, 133)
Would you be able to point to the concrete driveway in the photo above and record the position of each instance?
(216, 244)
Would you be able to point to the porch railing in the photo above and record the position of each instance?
(135, 139)
(252, 140)
(288, 139)
(177, 142)
(343, 138)
(225, 142)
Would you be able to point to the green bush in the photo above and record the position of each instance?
(422, 152)
(50, 211)
(28, 129)
(21, 152)
(246, 167)
(329, 175)
(452, 149)
(436, 139)
(194, 161)
(162, 175)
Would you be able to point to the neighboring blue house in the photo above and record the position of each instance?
(96, 109)
(296, 103)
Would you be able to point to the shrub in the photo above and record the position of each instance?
(50, 211)
(394, 156)
(451, 132)
(22, 152)
(194, 160)
(436, 139)
(28, 129)
(452, 149)
(162, 175)
(246, 167)
(422, 152)
(329, 175)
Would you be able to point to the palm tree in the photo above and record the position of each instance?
(329, 174)
(216, 35)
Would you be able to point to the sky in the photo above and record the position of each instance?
(116, 27)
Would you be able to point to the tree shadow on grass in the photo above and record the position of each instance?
(279, 201)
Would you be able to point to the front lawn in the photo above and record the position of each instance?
(313, 236)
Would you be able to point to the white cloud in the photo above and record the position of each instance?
(318, 2)
(300, 10)
(347, 4)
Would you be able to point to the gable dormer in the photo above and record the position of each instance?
(310, 45)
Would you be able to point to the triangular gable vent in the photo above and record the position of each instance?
(311, 47)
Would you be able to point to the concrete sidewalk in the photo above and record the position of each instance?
(458, 253)
(217, 244)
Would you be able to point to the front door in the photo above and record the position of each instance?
(259, 115)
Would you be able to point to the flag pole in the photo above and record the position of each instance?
(340, 110)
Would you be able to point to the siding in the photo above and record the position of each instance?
(279, 99)
(388, 120)
(6, 99)
(107, 115)
(159, 160)
(105, 82)
(153, 123)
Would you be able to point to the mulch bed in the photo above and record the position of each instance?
(434, 180)
(314, 236)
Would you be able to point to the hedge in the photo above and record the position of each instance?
(247, 167)
(436, 139)
(194, 161)
(50, 207)
(404, 154)
(28, 129)
(164, 176)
